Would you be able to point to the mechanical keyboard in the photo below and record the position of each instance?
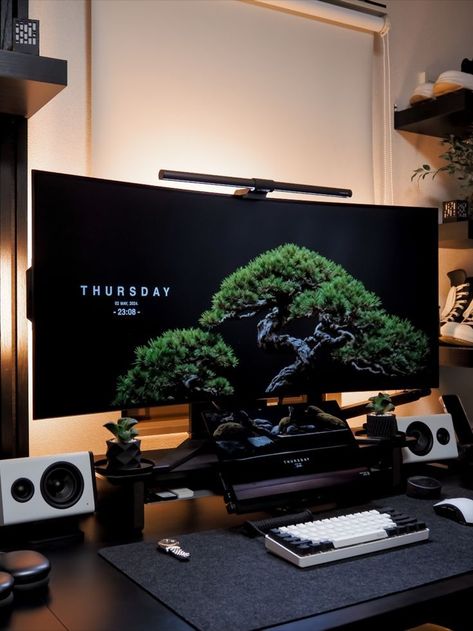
(318, 541)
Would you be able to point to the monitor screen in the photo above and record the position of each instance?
(146, 295)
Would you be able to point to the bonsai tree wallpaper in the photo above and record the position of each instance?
(178, 296)
(343, 324)
(176, 365)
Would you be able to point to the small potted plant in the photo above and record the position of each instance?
(458, 163)
(380, 421)
(123, 451)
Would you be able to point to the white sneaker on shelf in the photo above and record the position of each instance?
(452, 80)
(458, 298)
(459, 333)
(423, 92)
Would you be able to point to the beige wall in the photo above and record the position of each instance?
(59, 134)
(429, 36)
(87, 131)
(432, 40)
(232, 88)
(59, 139)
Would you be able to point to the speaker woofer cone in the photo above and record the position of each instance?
(425, 439)
(22, 490)
(62, 485)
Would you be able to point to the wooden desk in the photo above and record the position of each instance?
(88, 594)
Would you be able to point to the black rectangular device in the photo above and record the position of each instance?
(285, 456)
(149, 295)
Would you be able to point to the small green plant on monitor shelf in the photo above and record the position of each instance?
(123, 451)
(380, 421)
(380, 404)
(123, 430)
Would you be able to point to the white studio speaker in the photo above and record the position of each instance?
(46, 487)
(435, 438)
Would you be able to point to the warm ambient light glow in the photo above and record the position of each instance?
(6, 323)
(230, 103)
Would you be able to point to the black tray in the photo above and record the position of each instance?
(146, 468)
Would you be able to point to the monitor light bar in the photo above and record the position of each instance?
(252, 185)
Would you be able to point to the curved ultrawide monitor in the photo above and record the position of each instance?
(148, 295)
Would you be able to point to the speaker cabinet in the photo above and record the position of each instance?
(435, 438)
(46, 487)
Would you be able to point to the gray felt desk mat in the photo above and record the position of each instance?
(232, 583)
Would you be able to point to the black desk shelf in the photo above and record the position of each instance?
(28, 82)
(448, 114)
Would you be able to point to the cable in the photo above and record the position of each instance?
(387, 122)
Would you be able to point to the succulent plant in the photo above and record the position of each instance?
(380, 404)
(123, 430)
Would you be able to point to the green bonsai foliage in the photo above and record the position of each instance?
(459, 164)
(380, 404)
(344, 325)
(292, 283)
(177, 364)
(123, 430)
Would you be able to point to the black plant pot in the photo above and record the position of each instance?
(381, 425)
(123, 456)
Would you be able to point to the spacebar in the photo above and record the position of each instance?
(343, 542)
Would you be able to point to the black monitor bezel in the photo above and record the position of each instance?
(432, 381)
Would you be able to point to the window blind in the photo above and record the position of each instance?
(233, 88)
(354, 14)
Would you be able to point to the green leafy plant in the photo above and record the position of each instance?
(344, 326)
(380, 404)
(123, 430)
(459, 163)
(350, 327)
(180, 364)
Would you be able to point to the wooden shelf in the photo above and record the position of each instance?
(460, 356)
(28, 82)
(456, 234)
(448, 114)
(441, 117)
